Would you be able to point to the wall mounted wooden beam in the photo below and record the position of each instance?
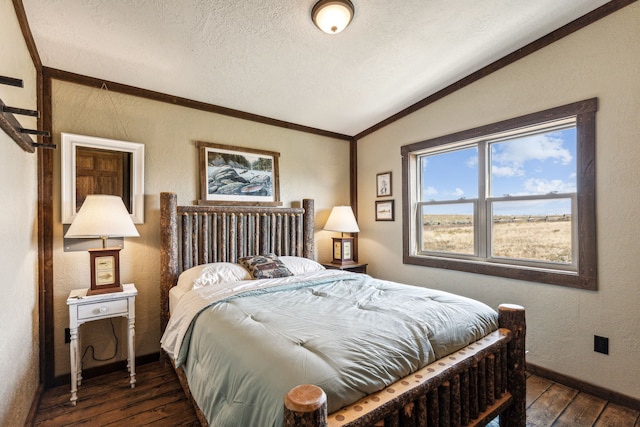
(183, 102)
(12, 126)
(10, 81)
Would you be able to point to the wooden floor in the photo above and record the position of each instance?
(158, 400)
(109, 400)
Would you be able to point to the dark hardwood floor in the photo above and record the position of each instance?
(158, 400)
(109, 400)
(553, 404)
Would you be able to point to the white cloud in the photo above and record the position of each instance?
(506, 171)
(430, 191)
(545, 186)
(459, 192)
(472, 162)
(535, 147)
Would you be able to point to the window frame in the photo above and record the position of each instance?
(586, 275)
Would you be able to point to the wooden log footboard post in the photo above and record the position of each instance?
(168, 255)
(305, 406)
(512, 317)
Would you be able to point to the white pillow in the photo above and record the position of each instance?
(186, 278)
(300, 265)
(211, 274)
(221, 272)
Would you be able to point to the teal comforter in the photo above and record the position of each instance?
(350, 334)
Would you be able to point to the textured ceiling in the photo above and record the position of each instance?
(266, 57)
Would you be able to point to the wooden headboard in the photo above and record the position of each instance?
(194, 235)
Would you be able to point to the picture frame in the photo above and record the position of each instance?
(385, 210)
(71, 170)
(233, 176)
(383, 184)
(105, 271)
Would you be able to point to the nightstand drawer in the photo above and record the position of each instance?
(105, 308)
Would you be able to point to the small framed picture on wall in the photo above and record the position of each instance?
(383, 184)
(385, 210)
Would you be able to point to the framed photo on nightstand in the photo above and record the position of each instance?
(105, 271)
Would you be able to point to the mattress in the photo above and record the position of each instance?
(174, 296)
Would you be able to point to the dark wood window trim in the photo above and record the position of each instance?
(586, 277)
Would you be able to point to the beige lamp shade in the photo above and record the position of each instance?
(102, 216)
(342, 219)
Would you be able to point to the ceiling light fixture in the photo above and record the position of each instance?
(332, 16)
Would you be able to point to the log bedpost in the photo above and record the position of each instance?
(305, 406)
(308, 227)
(512, 317)
(168, 252)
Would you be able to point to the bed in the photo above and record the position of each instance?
(468, 384)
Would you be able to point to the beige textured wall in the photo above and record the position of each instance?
(310, 167)
(601, 61)
(19, 367)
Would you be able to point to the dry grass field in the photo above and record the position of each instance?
(523, 237)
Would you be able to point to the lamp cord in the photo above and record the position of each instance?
(93, 350)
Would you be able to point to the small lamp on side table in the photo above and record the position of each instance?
(103, 216)
(342, 219)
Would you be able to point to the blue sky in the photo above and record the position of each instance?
(530, 165)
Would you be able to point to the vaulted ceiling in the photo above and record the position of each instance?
(266, 57)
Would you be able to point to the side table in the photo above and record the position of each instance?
(83, 309)
(354, 268)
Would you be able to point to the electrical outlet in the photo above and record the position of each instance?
(600, 344)
(67, 335)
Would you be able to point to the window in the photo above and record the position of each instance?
(513, 199)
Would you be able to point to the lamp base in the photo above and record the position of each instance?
(105, 271)
(343, 251)
(342, 263)
(104, 290)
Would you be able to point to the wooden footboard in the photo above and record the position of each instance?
(467, 388)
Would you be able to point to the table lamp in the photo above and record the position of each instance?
(342, 219)
(103, 216)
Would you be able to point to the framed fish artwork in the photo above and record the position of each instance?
(385, 210)
(234, 176)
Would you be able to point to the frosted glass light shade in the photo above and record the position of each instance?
(102, 216)
(332, 16)
(342, 219)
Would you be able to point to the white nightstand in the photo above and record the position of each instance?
(83, 309)
(354, 268)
